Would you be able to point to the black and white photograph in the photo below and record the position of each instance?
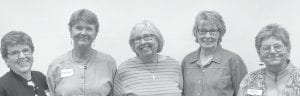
(150, 48)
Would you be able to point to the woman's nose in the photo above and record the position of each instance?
(207, 34)
(143, 41)
(83, 31)
(21, 55)
(272, 50)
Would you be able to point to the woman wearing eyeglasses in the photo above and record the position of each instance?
(149, 73)
(211, 70)
(17, 50)
(280, 77)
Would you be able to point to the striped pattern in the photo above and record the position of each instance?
(134, 78)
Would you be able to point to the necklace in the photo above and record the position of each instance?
(87, 61)
(152, 70)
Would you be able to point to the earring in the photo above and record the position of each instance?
(71, 41)
(93, 44)
(261, 65)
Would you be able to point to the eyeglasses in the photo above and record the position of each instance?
(276, 47)
(146, 37)
(17, 53)
(212, 33)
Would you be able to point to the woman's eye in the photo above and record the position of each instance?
(78, 28)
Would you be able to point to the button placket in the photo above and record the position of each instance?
(81, 80)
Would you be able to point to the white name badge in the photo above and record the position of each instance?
(66, 72)
(254, 92)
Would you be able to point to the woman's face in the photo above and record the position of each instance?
(83, 34)
(208, 36)
(145, 44)
(273, 52)
(19, 58)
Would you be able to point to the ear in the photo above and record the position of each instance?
(6, 62)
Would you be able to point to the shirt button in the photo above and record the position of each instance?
(199, 81)
(81, 90)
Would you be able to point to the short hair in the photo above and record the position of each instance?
(86, 16)
(210, 17)
(146, 25)
(273, 30)
(13, 38)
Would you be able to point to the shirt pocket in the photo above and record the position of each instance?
(218, 77)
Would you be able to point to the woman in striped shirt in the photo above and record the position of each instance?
(149, 73)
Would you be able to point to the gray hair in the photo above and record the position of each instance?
(146, 26)
(210, 17)
(13, 38)
(273, 30)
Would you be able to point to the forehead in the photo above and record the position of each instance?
(83, 24)
(207, 26)
(17, 47)
(141, 33)
(271, 41)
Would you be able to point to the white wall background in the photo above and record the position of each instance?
(46, 22)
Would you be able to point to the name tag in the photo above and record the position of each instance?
(30, 83)
(254, 92)
(66, 72)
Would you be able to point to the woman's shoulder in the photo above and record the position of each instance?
(190, 56)
(62, 58)
(129, 62)
(229, 53)
(104, 56)
(255, 74)
(167, 59)
(59, 61)
(38, 74)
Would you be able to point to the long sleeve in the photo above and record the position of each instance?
(118, 86)
(242, 86)
(51, 75)
(239, 70)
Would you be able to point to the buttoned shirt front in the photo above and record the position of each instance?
(12, 84)
(220, 77)
(69, 78)
(265, 83)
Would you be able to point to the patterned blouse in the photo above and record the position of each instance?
(264, 83)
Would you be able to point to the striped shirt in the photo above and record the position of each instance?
(134, 78)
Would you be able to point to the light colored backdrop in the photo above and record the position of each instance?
(46, 22)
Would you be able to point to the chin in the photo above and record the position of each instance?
(274, 63)
(208, 46)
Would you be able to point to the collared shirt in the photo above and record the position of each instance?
(66, 77)
(220, 77)
(12, 84)
(135, 78)
(265, 83)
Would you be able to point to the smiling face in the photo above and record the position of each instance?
(273, 52)
(83, 34)
(145, 44)
(19, 58)
(207, 36)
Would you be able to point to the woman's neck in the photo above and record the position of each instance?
(207, 52)
(25, 75)
(82, 53)
(277, 69)
(149, 58)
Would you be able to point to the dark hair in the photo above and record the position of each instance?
(86, 16)
(13, 38)
(273, 30)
